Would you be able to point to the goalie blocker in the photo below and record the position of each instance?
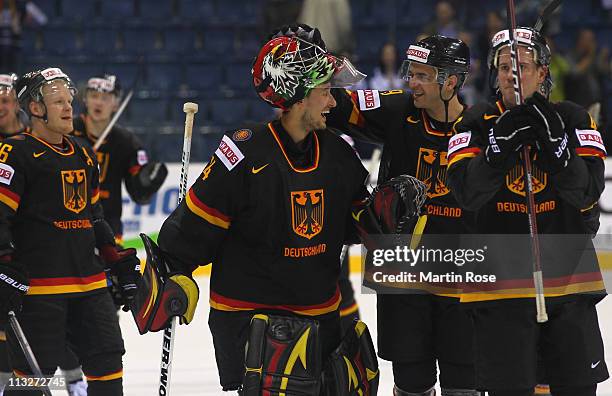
(283, 356)
(162, 294)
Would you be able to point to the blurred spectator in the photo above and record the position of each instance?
(333, 18)
(494, 24)
(444, 22)
(470, 94)
(559, 68)
(386, 74)
(588, 70)
(276, 13)
(12, 15)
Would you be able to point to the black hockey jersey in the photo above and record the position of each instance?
(271, 216)
(121, 156)
(565, 203)
(49, 199)
(413, 144)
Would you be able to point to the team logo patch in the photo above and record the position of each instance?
(459, 141)
(208, 167)
(368, 99)
(523, 35)
(53, 73)
(431, 170)
(242, 135)
(6, 174)
(142, 158)
(417, 53)
(74, 184)
(590, 137)
(229, 153)
(515, 180)
(307, 212)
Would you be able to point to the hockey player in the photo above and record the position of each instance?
(121, 156)
(271, 211)
(11, 124)
(51, 221)
(486, 175)
(414, 130)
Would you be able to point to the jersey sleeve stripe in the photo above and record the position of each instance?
(95, 196)
(45, 286)
(470, 152)
(590, 152)
(356, 118)
(9, 198)
(213, 216)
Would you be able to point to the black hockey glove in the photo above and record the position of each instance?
(125, 265)
(511, 131)
(147, 182)
(550, 133)
(13, 285)
(393, 207)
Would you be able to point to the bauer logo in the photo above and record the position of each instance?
(590, 137)
(6, 174)
(368, 99)
(417, 53)
(229, 153)
(459, 141)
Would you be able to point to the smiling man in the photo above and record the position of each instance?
(414, 129)
(271, 211)
(50, 223)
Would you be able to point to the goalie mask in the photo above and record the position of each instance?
(293, 62)
(536, 46)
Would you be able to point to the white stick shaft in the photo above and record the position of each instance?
(168, 340)
(113, 121)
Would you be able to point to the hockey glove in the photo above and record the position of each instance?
(13, 285)
(511, 131)
(125, 265)
(551, 133)
(147, 182)
(392, 208)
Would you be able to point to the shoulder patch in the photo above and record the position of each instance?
(6, 174)
(369, 99)
(458, 142)
(242, 134)
(590, 137)
(229, 153)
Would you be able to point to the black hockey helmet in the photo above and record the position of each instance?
(7, 82)
(450, 56)
(527, 37)
(105, 83)
(29, 86)
(293, 61)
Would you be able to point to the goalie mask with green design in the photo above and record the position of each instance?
(287, 68)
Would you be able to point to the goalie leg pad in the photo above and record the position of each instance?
(352, 368)
(282, 357)
(162, 296)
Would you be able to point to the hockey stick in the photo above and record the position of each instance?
(545, 14)
(27, 350)
(168, 340)
(373, 162)
(542, 316)
(113, 120)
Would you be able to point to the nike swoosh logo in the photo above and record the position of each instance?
(488, 117)
(593, 365)
(358, 215)
(412, 120)
(255, 171)
(36, 155)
